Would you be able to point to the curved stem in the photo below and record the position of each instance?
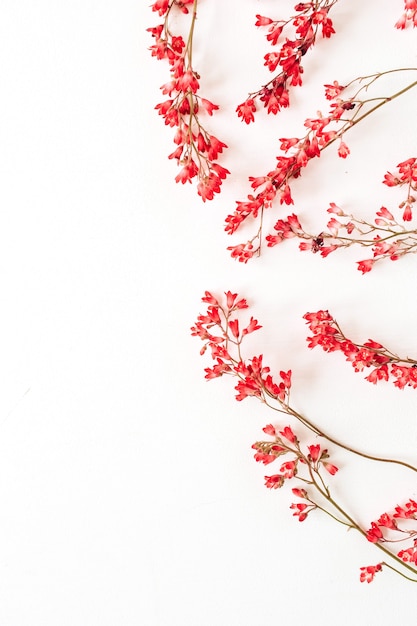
(413, 580)
(318, 431)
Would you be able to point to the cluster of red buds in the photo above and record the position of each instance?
(310, 19)
(327, 334)
(393, 528)
(197, 149)
(285, 441)
(305, 466)
(254, 378)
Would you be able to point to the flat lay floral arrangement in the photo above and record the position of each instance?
(307, 469)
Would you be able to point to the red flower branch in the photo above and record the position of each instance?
(393, 528)
(345, 113)
(222, 333)
(197, 150)
(387, 238)
(310, 19)
(314, 493)
(327, 334)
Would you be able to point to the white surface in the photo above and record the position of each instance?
(128, 492)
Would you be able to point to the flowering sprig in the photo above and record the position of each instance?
(385, 365)
(393, 528)
(197, 149)
(387, 238)
(322, 131)
(306, 466)
(310, 19)
(406, 175)
(286, 442)
(314, 494)
(409, 15)
(223, 333)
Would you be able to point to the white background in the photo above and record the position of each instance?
(128, 491)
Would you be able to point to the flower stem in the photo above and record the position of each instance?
(318, 431)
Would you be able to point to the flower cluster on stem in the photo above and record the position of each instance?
(386, 236)
(395, 527)
(197, 149)
(314, 494)
(384, 364)
(222, 332)
(311, 18)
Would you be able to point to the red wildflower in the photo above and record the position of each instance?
(289, 469)
(332, 469)
(301, 510)
(408, 511)
(160, 6)
(263, 21)
(189, 171)
(314, 453)
(286, 378)
(365, 266)
(374, 534)
(246, 111)
(409, 555)
(343, 151)
(368, 573)
(407, 215)
(214, 147)
(336, 210)
(209, 107)
(252, 326)
(266, 459)
(387, 521)
(210, 299)
(383, 212)
(301, 493)
(234, 327)
(217, 370)
(288, 434)
(401, 23)
(271, 60)
(270, 430)
(274, 482)
(333, 91)
(242, 252)
(379, 373)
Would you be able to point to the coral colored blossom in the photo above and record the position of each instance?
(367, 574)
(274, 482)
